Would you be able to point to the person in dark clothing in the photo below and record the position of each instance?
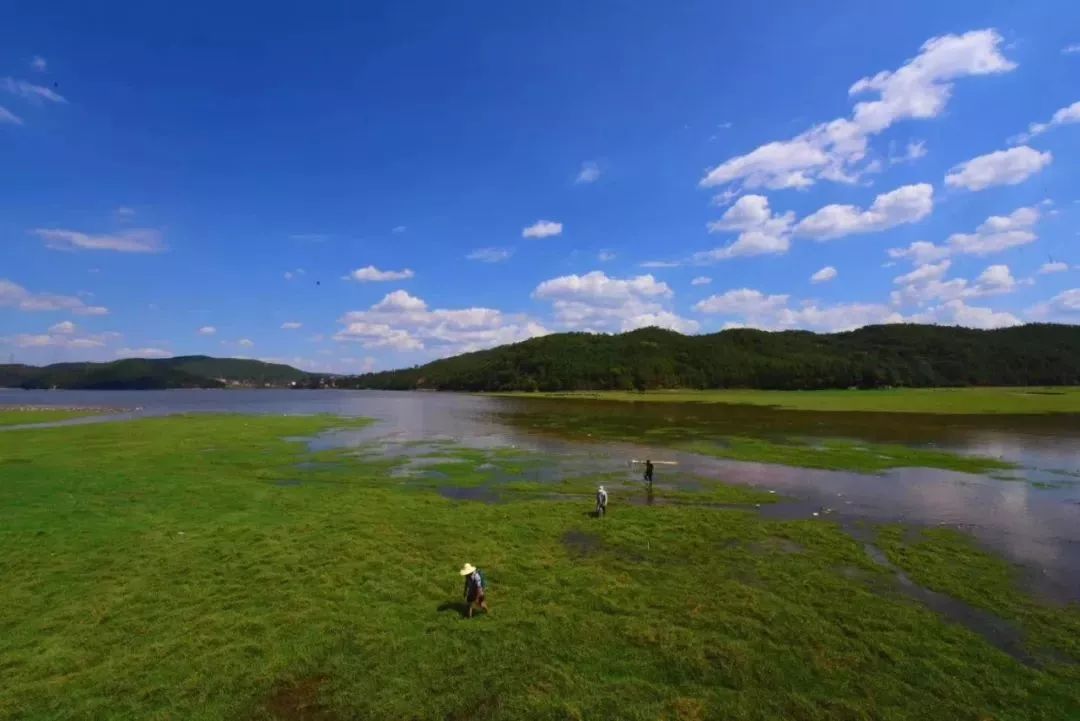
(474, 589)
(648, 472)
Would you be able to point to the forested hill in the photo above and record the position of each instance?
(152, 373)
(874, 356)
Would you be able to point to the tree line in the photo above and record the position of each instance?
(653, 358)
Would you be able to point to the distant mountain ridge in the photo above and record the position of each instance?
(153, 373)
(870, 357)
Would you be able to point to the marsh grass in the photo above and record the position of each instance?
(159, 569)
(1016, 400)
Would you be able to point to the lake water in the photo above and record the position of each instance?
(1033, 520)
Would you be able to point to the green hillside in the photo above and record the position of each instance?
(151, 373)
(870, 357)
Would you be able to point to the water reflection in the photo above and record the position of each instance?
(1034, 520)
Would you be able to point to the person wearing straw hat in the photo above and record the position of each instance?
(474, 589)
(601, 502)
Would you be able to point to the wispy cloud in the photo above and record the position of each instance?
(589, 173)
(135, 240)
(30, 91)
(6, 116)
(542, 229)
(207, 330)
(62, 335)
(605, 256)
(13, 295)
(1064, 116)
(1071, 49)
(398, 229)
(310, 237)
(291, 325)
(143, 353)
(490, 255)
(39, 64)
(290, 274)
(124, 214)
(660, 264)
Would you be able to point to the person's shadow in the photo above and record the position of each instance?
(459, 606)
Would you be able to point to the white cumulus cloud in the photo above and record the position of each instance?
(920, 89)
(1053, 267)
(919, 252)
(371, 274)
(1064, 306)
(907, 204)
(701, 280)
(542, 229)
(956, 312)
(1003, 167)
(998, 233)
(291, 325)
(742, 301)
(749, 308)
(207, 330)
(824, 275)
(597, 302)
(66, 327)
(760, 230)
(403, 322)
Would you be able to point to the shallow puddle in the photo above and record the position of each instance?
(1033, 518)
(999, 633)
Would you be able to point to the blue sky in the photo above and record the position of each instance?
(352, 188)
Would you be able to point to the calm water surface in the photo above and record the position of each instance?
(1033, 520)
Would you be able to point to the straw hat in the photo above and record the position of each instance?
(467, 569)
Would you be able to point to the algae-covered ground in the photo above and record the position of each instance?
(998, 401)
(203, 567)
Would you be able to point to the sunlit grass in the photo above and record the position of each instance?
(187, 568)
(1020, 400)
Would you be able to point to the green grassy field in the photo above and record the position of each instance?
(896, 400)
(188, 568)
(19, 416)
